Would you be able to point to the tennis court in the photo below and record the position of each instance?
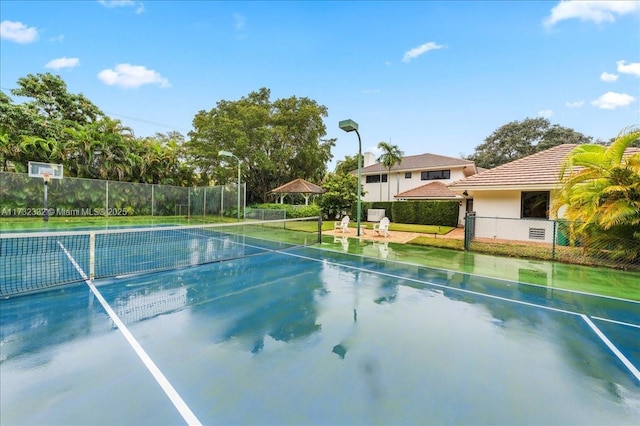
(283, 332)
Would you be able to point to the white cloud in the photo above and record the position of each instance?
(420, 50)
(240, 26)
(609, 78)
(18, 32)
(63, 62)
(239, 22)
(575, 104)
(371, 91)
(613, 100)
(127, 76)
(117, 3)
(546, 113)
(595, 11)
(632, 68)
(123, 3)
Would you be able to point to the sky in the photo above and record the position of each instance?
(428, 76)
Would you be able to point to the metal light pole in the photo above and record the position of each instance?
(352, 126)
(230, 154)
(45, 212)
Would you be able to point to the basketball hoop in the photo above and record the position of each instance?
(47, 178)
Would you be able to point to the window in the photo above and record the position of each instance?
(535, 204)
(407, 175)
(435, 174)
(376, 178)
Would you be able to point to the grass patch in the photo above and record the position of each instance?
(400, 227)
(16, 224)
(447, 243)
(423, 229)
(513, 250)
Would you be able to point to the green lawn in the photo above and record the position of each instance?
(400, 227)
(16, 224)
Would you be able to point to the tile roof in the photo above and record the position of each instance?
(429, 190)
(419, 162)
(540, 169)
(299, 186)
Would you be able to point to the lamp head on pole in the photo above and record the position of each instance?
(348, 125)
(225, 154)
(352, 126)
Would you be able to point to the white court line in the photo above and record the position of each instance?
(599, 333)
(613, 348)
(504, 280)
(169, 390)
(443, 286)
(617, 322)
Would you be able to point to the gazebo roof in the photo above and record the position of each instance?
(299, 186)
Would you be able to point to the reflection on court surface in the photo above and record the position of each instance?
(306, 336)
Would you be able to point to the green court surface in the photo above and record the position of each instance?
(604, 281)
(318, 335)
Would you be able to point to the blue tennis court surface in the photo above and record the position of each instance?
(307, 336)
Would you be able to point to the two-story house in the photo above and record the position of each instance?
(412, 172)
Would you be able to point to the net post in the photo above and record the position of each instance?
(92, 255)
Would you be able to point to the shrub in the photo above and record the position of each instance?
(444, 213)
(292, 212)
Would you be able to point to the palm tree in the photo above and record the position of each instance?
(391, 155)
(601, 194)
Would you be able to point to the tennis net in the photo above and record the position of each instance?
(33, 261)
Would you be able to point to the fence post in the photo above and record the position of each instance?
(106, 199)
(320, 229)
(469, 226)
(553, 243)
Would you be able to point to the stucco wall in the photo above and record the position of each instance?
(380, 192)
(535, 230)
(498, 217)
(497, 203)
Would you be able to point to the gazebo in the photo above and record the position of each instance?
(298, 186)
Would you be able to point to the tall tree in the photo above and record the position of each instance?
(519, 139)
(349, 164)
(601, 194)
(276, 141)
(341, 193)
(44, 116)
(52, 107)
(391, 155)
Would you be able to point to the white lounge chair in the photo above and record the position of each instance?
(382, 228)
(343, 225)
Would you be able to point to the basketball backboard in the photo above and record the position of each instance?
(40, 170)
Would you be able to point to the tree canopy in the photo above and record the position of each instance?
(349, 164)
(601, 194)
(519, 139)
(55, 126)
(275, 141)
(341, 193)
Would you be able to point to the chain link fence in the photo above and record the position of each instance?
(547, 239)
(23, 196)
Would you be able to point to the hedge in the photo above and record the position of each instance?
(439, 213)
(443, 213)
(292, 211)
